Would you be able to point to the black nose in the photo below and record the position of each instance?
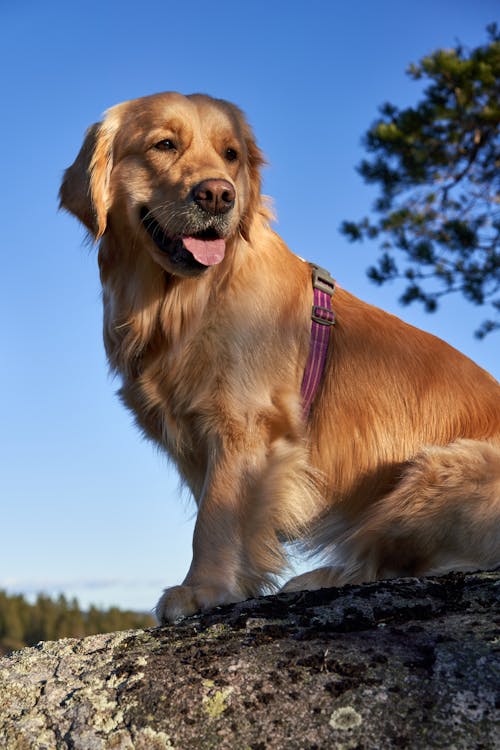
(214, 196)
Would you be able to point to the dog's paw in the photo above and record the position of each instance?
(181, 601)
(321, 578)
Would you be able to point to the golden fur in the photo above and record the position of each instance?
(397, 470)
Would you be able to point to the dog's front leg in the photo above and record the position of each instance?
(212, 578)
(215, 575)
(254, 498)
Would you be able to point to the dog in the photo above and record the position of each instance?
(394, 471)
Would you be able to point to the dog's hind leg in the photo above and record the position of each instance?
(443, 515)
(319, 578)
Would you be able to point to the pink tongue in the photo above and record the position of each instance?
(207, 252)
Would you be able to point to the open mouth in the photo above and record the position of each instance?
(206, 247)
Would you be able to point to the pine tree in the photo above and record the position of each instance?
(437, 166)
(12, 622)
(24, 624)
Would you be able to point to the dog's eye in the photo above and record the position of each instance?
(231, 154)
(166, 145)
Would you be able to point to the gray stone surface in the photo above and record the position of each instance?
(397, 664)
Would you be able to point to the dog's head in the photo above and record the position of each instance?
(173, 175)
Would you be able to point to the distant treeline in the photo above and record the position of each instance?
(24, 624)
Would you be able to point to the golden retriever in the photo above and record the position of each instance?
(207, 320)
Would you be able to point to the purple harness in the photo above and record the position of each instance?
(323, 318)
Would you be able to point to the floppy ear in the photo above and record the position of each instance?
(85, 186)
(256, 203)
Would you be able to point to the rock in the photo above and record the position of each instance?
(408, 663)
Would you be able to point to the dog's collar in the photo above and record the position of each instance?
(323, 318)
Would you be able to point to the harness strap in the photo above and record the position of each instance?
(323, 318)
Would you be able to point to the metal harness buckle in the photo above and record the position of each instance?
(323, 315)
(324, 283)
(322, 280)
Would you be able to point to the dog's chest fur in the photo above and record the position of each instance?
(187, 362)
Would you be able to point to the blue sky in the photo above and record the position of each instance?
(88, 507)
